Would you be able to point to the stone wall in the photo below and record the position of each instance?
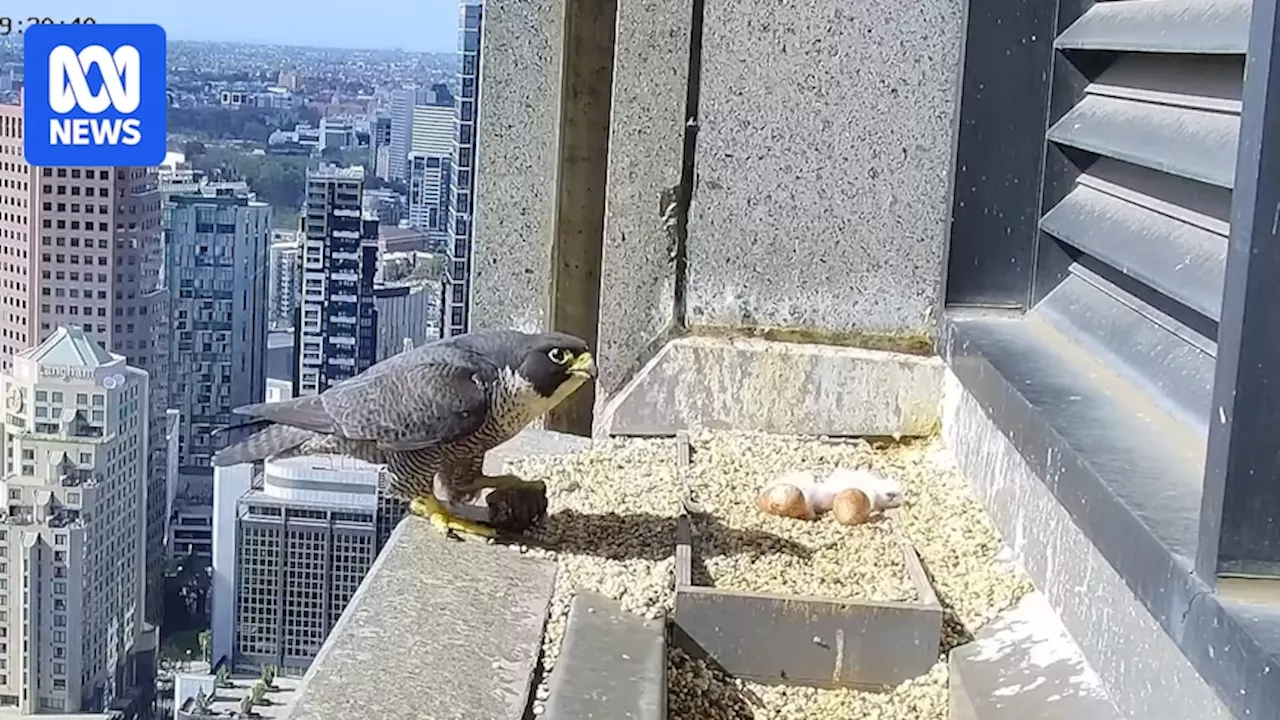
(811, 193)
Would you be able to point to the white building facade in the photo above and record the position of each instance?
(291, 544)
(73, 534)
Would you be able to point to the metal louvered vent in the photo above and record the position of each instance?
(1147, 150)
(1112, 277)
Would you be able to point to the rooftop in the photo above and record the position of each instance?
(329, 171)
(70, 347)
(226, 700)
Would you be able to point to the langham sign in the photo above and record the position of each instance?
(65, 373)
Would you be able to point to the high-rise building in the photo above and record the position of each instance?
(336, 330)
(217, 243)
(82, 247)
(457, 283)
(379, 141)
(285, 270)
(401, 133)
(291, 545)
(429, 197)
(408, 313)
(430, 165)
(422, 121)
(73, 561)
(433, 128)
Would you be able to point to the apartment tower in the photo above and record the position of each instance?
(285, 269)
(336, 331)
(429, 197)
(457, 283)
(217, 240)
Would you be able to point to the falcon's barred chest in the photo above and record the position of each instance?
(513, 405)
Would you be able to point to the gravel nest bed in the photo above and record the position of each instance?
(612, 517)
(744, 549)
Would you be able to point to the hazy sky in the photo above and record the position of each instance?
(425, 25)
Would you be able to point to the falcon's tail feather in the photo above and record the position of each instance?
(273, 440)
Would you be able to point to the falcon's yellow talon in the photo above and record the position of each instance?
(440, 518)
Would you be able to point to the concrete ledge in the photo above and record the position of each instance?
(613, 665)
(786, 388)
(534, 442)
(439, 629)
(1024, 665)
(1144, 672)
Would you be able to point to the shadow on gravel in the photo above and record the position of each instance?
(954, 632)
(699, 689)
(645, 536)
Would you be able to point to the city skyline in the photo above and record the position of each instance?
(172, 276)
(428, 26)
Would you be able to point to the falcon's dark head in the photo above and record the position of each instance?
(556, 364)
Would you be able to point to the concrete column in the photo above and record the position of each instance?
(546, 75)
(517, 141)
(644, 208)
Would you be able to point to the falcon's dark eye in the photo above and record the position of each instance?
(558, 356)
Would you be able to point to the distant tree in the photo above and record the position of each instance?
(256, 131)
(243, 123)
(192, 148)
(308, 115)
(187, 583)
(277, 180)
(205, 638)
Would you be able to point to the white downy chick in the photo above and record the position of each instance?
(793, 495)
(883, 492)
(858, 493)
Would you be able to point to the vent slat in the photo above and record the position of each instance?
(1168, 26)
(1194, 144)
(1179, 260)
(1211, 82)
(1207, 207)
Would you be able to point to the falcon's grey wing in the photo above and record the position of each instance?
(402, 409)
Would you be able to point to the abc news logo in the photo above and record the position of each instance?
(69, 90)
(97, 95)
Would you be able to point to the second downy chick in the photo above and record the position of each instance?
(855, 495)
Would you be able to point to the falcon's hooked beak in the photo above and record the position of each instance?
(583, 366)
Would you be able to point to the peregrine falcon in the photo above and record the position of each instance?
(428, 414)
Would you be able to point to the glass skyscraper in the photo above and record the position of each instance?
(457, 284)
